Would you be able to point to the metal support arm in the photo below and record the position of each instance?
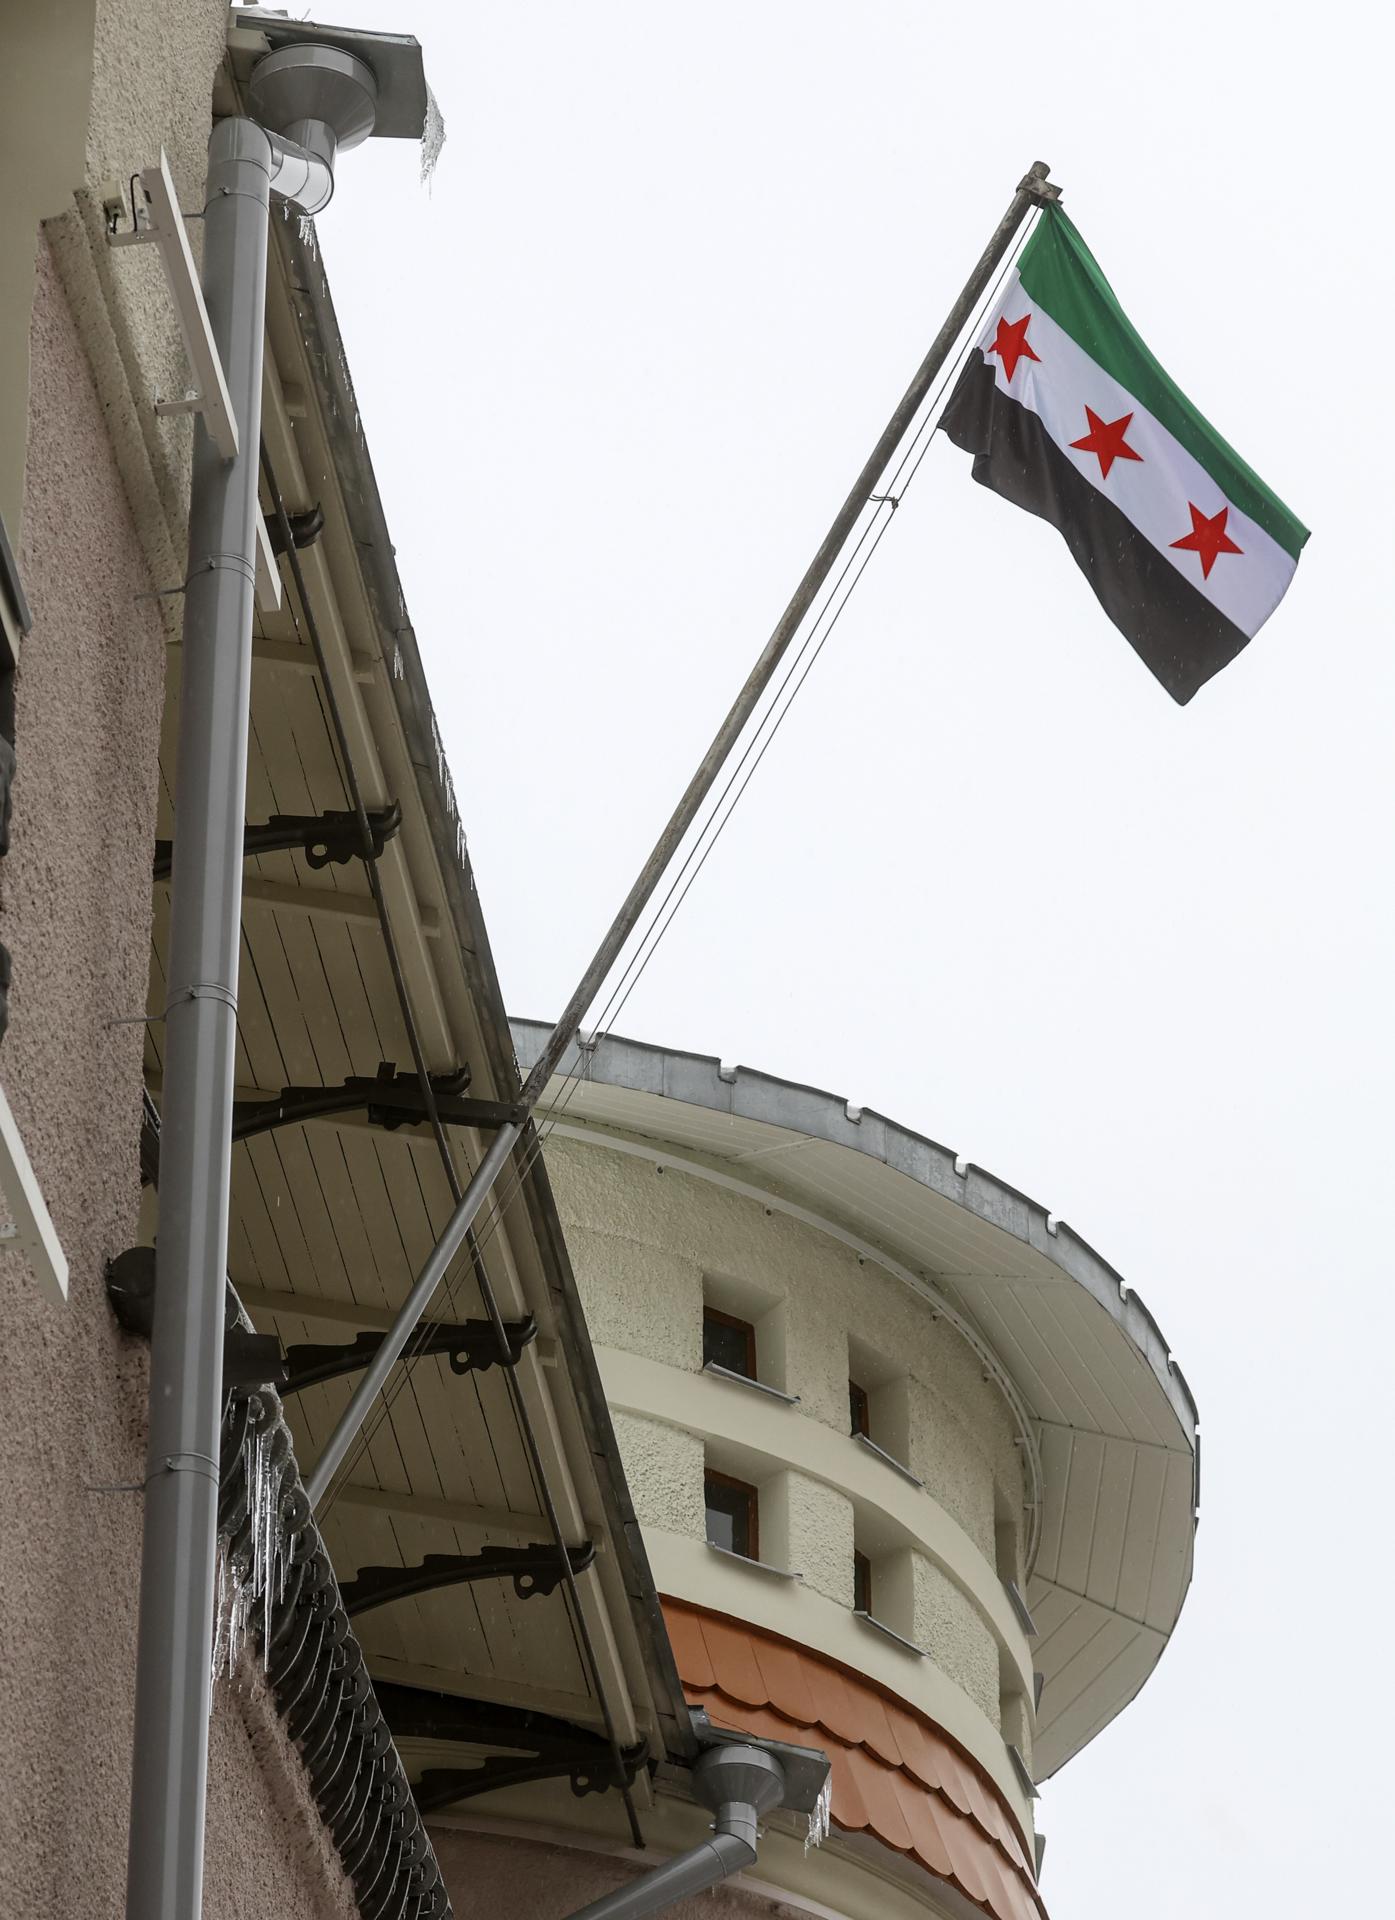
(534, 1570)
(472, 1346)
(321, 837)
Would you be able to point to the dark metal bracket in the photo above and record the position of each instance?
(306, 529)
(389, 1100)
(533, 1570)
(537, 1746)
(250, 1360)
(322, 837)
(470, 1345)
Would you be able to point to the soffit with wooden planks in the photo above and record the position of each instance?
(333, 1218)
(1111, 1417)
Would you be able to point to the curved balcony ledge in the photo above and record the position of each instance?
(1107, 1424)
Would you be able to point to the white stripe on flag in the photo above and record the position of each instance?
(1157, 490)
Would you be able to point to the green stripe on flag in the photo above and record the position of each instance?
(1058, 270)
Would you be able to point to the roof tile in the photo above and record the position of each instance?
(734, 1665)
(689, 1646)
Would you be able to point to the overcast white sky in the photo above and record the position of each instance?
(618, 370)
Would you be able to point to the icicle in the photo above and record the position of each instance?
(271, 1546)
(819, 1818)
(221, 1608)
(433, 138)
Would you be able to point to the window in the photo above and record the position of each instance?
(859, 1413)
(728, 1342)
(732, 1515)
(862, 1583)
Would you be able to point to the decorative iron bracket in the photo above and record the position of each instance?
(533, 1570)
(470, 1345)
(306, 529)
(321, 837)
(250, 1360)
(390, 1100)
(537, 1746)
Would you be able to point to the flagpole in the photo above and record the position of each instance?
(1034, 189)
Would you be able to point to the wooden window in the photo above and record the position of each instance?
(862, 1583)
(733, 1514)
(728, 1342)
(859, 1414)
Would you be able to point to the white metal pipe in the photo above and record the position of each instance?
(173, 1670)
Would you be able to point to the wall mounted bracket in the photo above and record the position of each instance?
(533, 1570)
(322, 837)
(250, 1360)
(160, 222)
(536, 1746)
(470, 1345)
(389, 1100)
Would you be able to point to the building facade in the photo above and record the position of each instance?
(745, 1424)
(916, 1476)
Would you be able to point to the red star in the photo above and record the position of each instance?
(1208, 538)
(1106, 439)
(1011, 344)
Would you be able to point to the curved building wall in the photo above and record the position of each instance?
(653, 1248)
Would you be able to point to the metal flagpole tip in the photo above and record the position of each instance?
(1036, 184)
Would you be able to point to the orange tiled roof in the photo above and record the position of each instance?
(895, 1775)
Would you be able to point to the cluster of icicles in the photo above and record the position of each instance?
(256, 1577)
(819, 1818)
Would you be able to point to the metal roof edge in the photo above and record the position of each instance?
(824, 1116)
(376, 559)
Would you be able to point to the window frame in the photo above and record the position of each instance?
(737, 1324)
(859, 1403)
(752, 1493)
(862, 1583)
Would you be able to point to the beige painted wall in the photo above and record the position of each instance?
(647, 1247)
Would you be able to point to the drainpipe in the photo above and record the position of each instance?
(246, 164)
(739, 1784)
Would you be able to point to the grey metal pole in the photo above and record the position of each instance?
(371, 1380)
(173, 1664)
(1033, 190)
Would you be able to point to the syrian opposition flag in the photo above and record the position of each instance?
(1068, 414)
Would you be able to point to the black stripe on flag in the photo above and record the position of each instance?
(1174, 629)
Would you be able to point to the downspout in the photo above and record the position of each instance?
(246, 164)
(739, 1784)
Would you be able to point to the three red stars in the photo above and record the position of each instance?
(1106, 440)
(1011, 344)
(1208, 537)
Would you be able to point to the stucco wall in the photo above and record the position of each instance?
(75, 910)
(663, 1465)
(647, 1246)
(641, 1244)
